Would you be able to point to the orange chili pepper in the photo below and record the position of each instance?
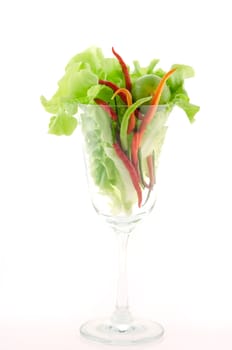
(128, 98)
(154, 103)
(150, 114)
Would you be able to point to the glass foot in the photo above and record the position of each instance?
(135, 332)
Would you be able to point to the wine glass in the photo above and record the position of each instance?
(116, 198)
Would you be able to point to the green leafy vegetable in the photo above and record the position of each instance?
(107, 170)
(62, 125)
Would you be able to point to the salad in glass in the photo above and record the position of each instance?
(129, 125)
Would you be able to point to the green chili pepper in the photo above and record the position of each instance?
(125, 121)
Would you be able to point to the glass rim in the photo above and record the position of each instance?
(123, 105)
(160, 107)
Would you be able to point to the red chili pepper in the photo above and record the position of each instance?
(151, 174)
(124, 69)
(114, 87)
(131, 170)
(139, 115)
(107, 108)
(151, 170)
(134, 149)
(132, 123)
(108, 83)
(141, 173)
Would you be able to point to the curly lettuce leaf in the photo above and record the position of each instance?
(79, 85)
(177, 78)
(190, 109)
(179, 95)
(63, 124)
(73, 88)
(92, 56)
(181, 99)
(111, 70)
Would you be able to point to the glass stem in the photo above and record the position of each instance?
(122, 316)
(122, 287)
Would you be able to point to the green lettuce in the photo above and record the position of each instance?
(106, 169)
(80, 85)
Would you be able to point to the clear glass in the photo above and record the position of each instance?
(116, 201)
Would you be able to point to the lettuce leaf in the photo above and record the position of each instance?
(79, 85)
(63, 124)
(107, 170)
(181, 99)
(155, 133)
(190, 109)
(177, 79)
(73, 88)
(140, 71)
(179, 95)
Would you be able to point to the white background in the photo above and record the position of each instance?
(57, 261)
